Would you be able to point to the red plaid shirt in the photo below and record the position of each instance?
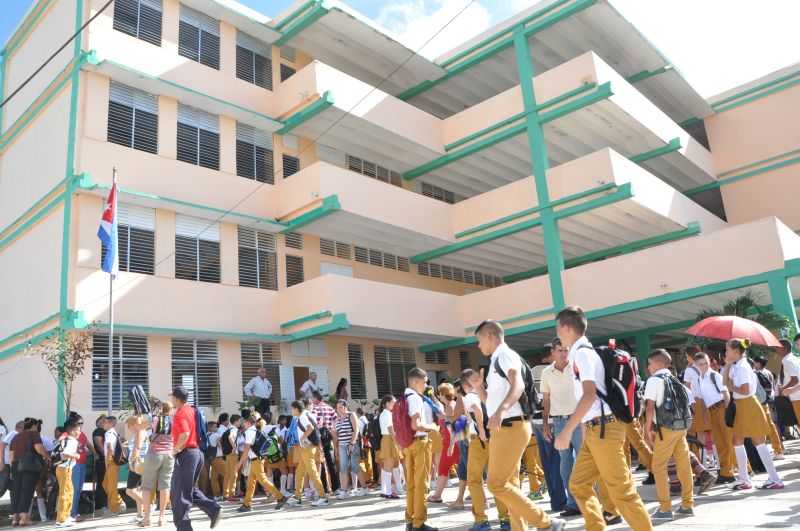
(326, 415)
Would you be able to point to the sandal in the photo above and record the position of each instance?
(455, 506)
(431, 500)
(144, 523)
(161, 522)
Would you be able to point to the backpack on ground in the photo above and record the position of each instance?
(529, 401)
(624, 394)
(121, 452)
(273, 451)
(373, 433)
(401, 423)
(673, 413)
(225, 442)
(763, 388)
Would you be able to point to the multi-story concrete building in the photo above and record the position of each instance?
(307, 194)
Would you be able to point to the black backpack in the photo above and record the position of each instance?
(765, 385)
(373, 434)
(120, 456)
(225, 442)
(55, 455)
(529, 400)
(674, 412)
(315, 437)
(624, 394)
(261, 444)
(485, 420)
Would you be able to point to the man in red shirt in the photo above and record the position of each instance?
(188, 463)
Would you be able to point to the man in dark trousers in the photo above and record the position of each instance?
(188, 463)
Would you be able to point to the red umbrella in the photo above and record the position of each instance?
(731, 326)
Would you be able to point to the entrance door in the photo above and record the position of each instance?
(300, 377)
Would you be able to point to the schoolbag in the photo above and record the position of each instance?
(161, 426)
(225, 442)
(673, 413)
(373, 434)
(55, 456)
(201, 429)
(314, 437)
(529, 401)
(485, 420)
(401, 423)
(291, 434)
(121, 452)
(763, 388)
(261, 444)
(273, 451)
(623, 396)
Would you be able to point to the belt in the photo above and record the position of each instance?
(597, 421)
(551, 417)
(506, 423)
(715, 406)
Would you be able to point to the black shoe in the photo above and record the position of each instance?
(641, 468)
(244, 509)
(649, 480)
(425, 527)
(216, 518)
(697, 481)
(721, 480)
(281, 503)
(611, 519)
(569, 511)
(408, 527)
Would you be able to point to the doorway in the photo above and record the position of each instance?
(300, 377)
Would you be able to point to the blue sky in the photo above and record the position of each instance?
(717, 44)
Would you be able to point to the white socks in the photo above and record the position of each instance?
(290, 481)
(741, 460)
(42, 509)
(386, 483)
(283, 483)
(766, 458)
(398, 478)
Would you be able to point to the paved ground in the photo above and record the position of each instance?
(719, 509)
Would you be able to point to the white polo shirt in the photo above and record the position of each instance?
(471, 399)
(741, 373)
(110, 439)
(691, 376)
(498, 386)
(250, 438)
(590, 368)
(707, 391)
(559, 385)
(303, 422)
(71, 448)
(386, 421)
(654, 388)
(417, 405)
(791, 367)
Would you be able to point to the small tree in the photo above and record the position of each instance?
(65, 354)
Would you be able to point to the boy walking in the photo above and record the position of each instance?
(420, 453)
(64, 475)
(599, 457)
(111, 480)
(666, 421)
(510, 427)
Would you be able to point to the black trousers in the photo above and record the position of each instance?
(327, 452)
(184, 494)
(22, 489)
(263, 406)
(100, 497)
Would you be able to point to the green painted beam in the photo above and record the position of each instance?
(339, 322)
(32, 220)
(746, 175)
(782, 301)
(647, 74)
(451, 343)
(294, 14)
(25, 27)
(24, 332)
(755, 89)
(758, 163)
(30, 211)
(157, 330)
(307, 318)
(603, 92)
(293, 29)
(672, 146)
(690, 121)
(758, 96)
(3, 64)
(530, 315)
(643, 348)
(32, 341)
(306, 113)
(329, 205)
(692, 229)
(625, 191)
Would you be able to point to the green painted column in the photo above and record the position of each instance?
(642, 350)
(538, 150)
(781, 294)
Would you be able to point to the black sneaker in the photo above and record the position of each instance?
(641, 468)
(216, 518)
(281, 503)
(721, 480)
(244, 509)
(425, 527)
(408, 527)
(611, 519)
(649, 480)
(568, 512)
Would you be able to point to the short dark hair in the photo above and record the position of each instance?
(573, 317)
(235, 418)
(317, 395)
(305, 401)
(298, 406)
(466, 374)
(223, 418)
(691, 350)
(796, 337)
(70, 425)
(661, 355)
(60, 429)
(785, 343)
(417, 374)
(556, 342)
(245, 413)
(739, 344)
(547, 349)
(211, 424)
(701, 356)
(491, 327)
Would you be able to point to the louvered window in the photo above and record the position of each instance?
(458, 274)
(391, 367)
(196, 249)
(438, 193)
(332, 248)
(287, 72)
(381, 259)
(257, 355)
(464, 359)
(254, 155)
(198, 37)
(130, 369)
(294, 240)
(253, 62)
(135, 239)
(198, 137)
(294, 270)
(258, 259)
(132, 118)
(195, 365)
(288, 53)
(291, 165)
(437, 357)
(358, 382)
(370, 169)
(139, 18)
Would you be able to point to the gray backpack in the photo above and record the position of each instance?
(673, 413)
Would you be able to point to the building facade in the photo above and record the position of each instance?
(306, 194)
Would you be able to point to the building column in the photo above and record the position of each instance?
(642, 351)
(782, 301)
(538, 151)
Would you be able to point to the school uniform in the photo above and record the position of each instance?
(774, 437)
(790, 367)
(508, 445)
(750, 419)
(231, 463)
(64, 477)
(389, 448)
(669, 444)
(418, 462)
(709, 391)
(218, 469)
(111, 479)
(257, 474)
(309, 454)
(602, 457)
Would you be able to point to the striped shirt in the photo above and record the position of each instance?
(345, 429)
(326, 416)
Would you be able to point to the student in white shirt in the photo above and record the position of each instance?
(750, 420)
(713, 396)
(308, 435)
(111, 481)
(510, 428)
(420, 454)
(390, 451)
(789, 375)
(232, 459)
(599, 457)
(257, 474)
(64, 475)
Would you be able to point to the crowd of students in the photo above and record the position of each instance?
(488, 429)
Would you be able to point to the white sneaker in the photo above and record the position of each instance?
(136, 519)
(362, 492)
(433, 485)
(401, 490)
(342, 495)
(293, 501)
(452, 482)
(778, 457)
(287, 493)
(66, 523)
(320, 502)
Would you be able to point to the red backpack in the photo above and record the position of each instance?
(401, 423)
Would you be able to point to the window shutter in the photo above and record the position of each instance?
(254, 154)
(139, 18)
(288, 53)
(291, 165)
(381, 259)
(294, 240)
(391, 367)
(336, 269)
(130, 368)
(370, 169)
(291, 142)
(253, 60)
(287, 72)
(436, 192)
(198, 37)
(197, 254)
(358, 381)
(362, 255)
(257, 355)
(198, 137)
(195, 365)
(294, 270)
(437, 357)
(458, 274)
(464, 359)
(136, 239)
(334, 156)
(132, 118)
(327, 247)
(257, 259)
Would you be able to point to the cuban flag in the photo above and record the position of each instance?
(108, 233)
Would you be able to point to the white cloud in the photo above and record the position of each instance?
(415, 22)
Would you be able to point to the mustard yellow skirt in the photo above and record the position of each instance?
(436, 441)
(750, 419)
(294, 455)
(389, 448)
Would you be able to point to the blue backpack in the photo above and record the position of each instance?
(291, 435)
(201, 428)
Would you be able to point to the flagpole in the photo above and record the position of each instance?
(111, 318)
